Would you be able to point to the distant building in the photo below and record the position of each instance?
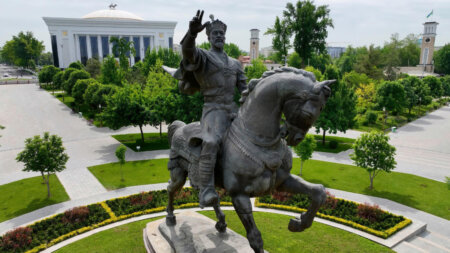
(78, 39)
(426, 64)
(267, 51)
(254, 44)
(427, 48)
(335, 52)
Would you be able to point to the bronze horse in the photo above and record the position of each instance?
(255, 159)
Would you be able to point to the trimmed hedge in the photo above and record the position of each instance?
(364, 217)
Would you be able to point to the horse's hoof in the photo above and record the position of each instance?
(221, 227)
(298, 225)
(171, 221)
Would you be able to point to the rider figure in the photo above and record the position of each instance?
(216, 76)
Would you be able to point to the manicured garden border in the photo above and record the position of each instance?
(190, 202)
(383, 234)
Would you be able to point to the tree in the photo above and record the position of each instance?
(168, 57)
(120, 154)
(391, 96)
(93, 67)
(365, 96)
(354, 79)
(73, 78)
(340, 111)
(128, 106)
(45, 59)
(255, 70)
(373, 153)
(410, 52)
(308, 25)
(411, 85)
(110, 73)
(45, 155)
(370, 62)
(47, 73)
(442, 60)
(320, 61)
(159, 85)
(124, 49)
(280, 40)
(391, 55)
(80, 88)
(305, 149)
(58, 80)
(446, 85)
(435, 85)
(22, 48)
(295, 60)
(76, 65)
(316, 72)
(231, 49)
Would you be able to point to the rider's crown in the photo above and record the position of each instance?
(215, 24)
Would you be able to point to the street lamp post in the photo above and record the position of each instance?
(138, 148)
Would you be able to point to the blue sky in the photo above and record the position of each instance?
(356, 22)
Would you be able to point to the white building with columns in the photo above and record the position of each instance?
(78, 39)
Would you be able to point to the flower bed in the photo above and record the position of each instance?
(53, 229)
(47, 232)
(364, 217)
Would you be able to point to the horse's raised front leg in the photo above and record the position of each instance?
(221, 225)
(243, 208)
(176, 182)
(316, 192)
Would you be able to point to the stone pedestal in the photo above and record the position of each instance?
(193, 233)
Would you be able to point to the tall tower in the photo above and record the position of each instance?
(427, 50)
(254, 44)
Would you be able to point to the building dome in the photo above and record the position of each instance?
(112, 13)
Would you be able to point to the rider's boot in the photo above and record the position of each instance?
(208, 195)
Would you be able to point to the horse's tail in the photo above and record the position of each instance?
(173, 127)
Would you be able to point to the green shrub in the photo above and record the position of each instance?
(333, 144)
(58, 80)
(73, 78)
(76, 65)
(371, 117)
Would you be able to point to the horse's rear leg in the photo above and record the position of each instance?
(316, 192)
(243, 208)
(221, 225)
(176, 182)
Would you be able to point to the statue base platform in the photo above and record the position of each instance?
(193, 233)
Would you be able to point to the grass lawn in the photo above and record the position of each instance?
(134, 173)
(410, 190)
(153, 141)
(29, 194)
(277, 238)
(343, 143)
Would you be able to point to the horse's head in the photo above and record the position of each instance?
(304, 100)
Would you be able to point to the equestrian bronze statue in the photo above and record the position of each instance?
(247, 152)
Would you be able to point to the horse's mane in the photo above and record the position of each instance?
(254, 82)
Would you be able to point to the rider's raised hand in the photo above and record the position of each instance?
(195, 25)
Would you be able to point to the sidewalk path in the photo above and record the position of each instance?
(32, 111)
(434, 223)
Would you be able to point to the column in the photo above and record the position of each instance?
(88, 45)
(100, 49)
(141, 47)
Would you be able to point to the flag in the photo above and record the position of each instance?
(431, 13)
